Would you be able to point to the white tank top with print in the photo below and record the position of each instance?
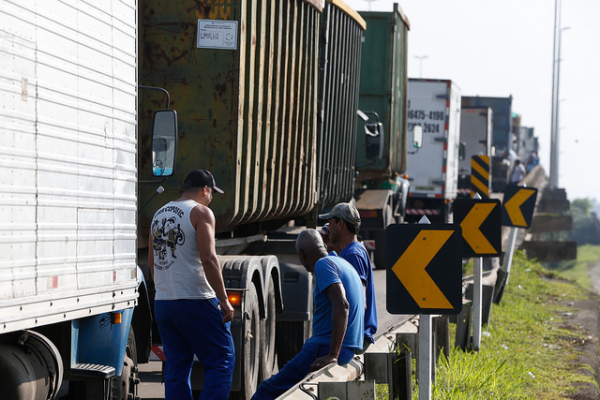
(178, 271)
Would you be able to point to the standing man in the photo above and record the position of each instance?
(344, 224)
(337, 319)
(518, 173)
(191, 306)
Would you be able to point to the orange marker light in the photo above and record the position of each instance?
(116, 318)
(235, 298)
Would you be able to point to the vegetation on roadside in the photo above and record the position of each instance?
(529, 350)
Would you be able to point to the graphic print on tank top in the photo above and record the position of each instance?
(166, 236)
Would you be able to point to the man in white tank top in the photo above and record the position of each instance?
(191, 306)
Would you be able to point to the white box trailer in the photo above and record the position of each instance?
(476, 124)
(68, 274)
(433, 104)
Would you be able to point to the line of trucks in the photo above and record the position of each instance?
(293, 105)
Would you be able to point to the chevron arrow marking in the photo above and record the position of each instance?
(470, 228)
(410, 269)
(513, 206)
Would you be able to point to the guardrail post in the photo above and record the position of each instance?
(442, 336)
(463, 327)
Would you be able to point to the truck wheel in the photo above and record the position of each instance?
(124, 387)
(267, 334)
(251, 352)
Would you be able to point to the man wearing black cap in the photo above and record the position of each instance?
(344, 224)
(191, 306)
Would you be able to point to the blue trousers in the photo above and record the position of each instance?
(189, 327)
(296, 369)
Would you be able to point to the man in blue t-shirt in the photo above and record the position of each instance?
(344, 224)
(337, 319)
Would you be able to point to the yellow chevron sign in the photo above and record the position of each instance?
(480, 176)
(480, 223)
(424, 269)
(518, 207)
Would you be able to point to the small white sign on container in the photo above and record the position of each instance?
(217, 34)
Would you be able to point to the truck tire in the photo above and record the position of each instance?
(267, 334)
(251, 347)
(124, 387)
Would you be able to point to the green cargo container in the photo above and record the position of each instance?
(383, 89)
(248, 110)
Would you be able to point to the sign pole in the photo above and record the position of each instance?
(512, 240)
(477, 302)
(425, 346)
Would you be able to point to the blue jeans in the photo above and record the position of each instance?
(296, 369)
(189, 327)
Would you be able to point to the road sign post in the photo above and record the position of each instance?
(424, 277)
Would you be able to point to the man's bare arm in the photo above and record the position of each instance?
(339, 322)
(203, 220)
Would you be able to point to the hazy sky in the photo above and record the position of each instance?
(504, 47)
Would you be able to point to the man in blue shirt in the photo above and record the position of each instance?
(337, 319)
(344, 224)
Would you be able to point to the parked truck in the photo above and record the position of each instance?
(475, 140)
(381, 188)
(73, 304)
(434, 106)
(502, 138)
(266, 94)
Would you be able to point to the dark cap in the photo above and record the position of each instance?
(344, 211)
(325, 229)
(200, 178)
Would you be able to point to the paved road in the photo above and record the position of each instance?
(151, 387)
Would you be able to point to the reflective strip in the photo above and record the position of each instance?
(369, 244)
(422, 211)
(157, 354)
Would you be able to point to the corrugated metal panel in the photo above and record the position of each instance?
(68, 156)
(249, 114)
(338, 94)
(383, 89)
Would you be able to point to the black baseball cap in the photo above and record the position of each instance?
(201, 178)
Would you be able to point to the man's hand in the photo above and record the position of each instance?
(227, 309)
(322, 362)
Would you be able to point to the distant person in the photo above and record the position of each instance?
(532, 161)
(344, 224)
(337, 319)
(518, 173)
(191, 306)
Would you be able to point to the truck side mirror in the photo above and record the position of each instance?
(461, 151)
(418, 136)
(374, 138)
(164, 142)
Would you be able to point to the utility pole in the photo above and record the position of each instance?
(420, 58)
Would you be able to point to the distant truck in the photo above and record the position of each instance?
(503, 140)
(434, 106)
(381, 188)
(475, 140)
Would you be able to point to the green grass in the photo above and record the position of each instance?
(577, 270)
(529, 350)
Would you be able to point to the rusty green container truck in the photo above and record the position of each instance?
(266, 94)
(381, 190)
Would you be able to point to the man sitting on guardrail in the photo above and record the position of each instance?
(337, 320)
(343, 226)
